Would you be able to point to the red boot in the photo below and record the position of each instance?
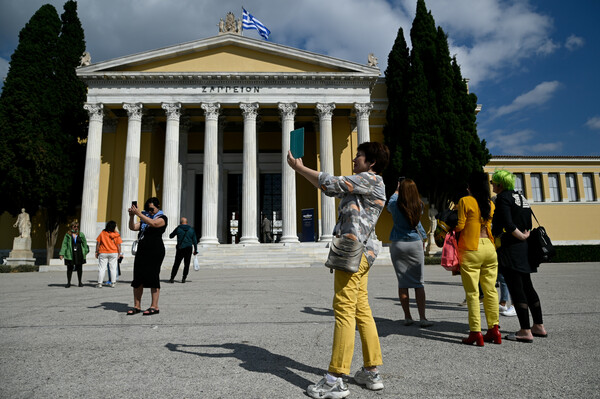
(474, 337)
(493, 335)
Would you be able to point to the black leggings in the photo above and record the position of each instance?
(78, 268)
(523, 296)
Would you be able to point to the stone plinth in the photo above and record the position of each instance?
(21, 253)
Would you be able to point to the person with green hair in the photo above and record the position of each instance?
(512, 223)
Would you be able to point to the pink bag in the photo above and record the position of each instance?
(450, 252)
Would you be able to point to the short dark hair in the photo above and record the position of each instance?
(111, 226)
(376, 153)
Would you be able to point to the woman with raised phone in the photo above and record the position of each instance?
(362, 200)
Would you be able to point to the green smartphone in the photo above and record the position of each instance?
(297, 142)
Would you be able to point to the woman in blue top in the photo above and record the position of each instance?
(407, 247)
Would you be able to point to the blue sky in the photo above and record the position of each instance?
(532, 63)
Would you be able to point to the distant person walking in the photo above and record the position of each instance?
(186, 241)
(73, 250)
(108, 252)
(266, 227)
(408, 238)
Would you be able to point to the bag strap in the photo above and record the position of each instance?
(536, 220)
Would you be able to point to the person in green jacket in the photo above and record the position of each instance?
(74, 249)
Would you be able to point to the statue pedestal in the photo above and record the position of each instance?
(21, 253)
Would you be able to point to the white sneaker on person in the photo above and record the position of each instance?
(372, 380)
(99, 285)
(503, 308)
(509, 311)
(323, 389)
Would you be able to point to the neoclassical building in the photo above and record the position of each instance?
(205, 126)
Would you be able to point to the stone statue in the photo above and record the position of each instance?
(23, 224)
(230, 25)
(432, 213)
(372, 60)
(86, 59)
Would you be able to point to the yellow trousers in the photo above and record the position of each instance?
(351, 308)
(480, 267)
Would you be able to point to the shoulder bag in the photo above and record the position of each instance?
(450, 252)
(345, 254)
(540, 248)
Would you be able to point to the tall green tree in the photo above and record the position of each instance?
(433, 138)
(40, 154)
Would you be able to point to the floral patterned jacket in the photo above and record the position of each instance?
(363, 199)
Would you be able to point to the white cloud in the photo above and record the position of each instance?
(593, 123)
(520, 142)
(574, 42)
(541, 94)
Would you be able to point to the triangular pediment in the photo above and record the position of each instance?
(229, 53)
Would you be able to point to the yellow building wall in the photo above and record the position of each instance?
(227, 59)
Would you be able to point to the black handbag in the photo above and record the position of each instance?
(540, 246)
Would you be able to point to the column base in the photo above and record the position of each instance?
(326, 238)
(249, 240)
(209, 241)
(288, 239)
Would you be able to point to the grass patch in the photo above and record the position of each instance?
(19, 268)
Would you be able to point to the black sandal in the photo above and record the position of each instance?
(150, 312)
(133, 311)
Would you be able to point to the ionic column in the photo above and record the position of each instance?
(132, 166)
(363, 110)
(91, 176)
(171, 176)
(325, 112)
(249, 176)
(210, 178)
(288, 175)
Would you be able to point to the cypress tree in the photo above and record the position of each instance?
(435, 133)
(42, 120)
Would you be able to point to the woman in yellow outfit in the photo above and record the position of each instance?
(478, 261)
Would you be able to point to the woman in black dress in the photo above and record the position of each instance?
(150, 253)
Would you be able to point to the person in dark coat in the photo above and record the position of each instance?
(73, 250)
(186, 240)
(512, 223)
(150, 253)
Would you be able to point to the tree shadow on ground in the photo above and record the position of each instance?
(457, 283)
(114, 306)
(254, 359)
(438, 305)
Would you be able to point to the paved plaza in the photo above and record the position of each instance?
(267, 333)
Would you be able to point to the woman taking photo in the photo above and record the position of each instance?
(512, 223)
(150, 253)
(73, 250)
(362, 200)
(407, 247)
(477, 256)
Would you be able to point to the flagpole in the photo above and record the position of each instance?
(242, 32)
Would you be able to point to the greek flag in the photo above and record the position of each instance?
(249, 22)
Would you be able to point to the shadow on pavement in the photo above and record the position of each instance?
(444, 331)
(254, 359)
(114, 306)
(318, 311)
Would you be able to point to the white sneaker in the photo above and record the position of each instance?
(372, 380)
(323, 389)
(113, 285)
(503, 308)
(99, 285)
(510, 311)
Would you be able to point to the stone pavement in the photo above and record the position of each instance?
(266, 333)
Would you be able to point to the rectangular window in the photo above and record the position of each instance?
(553, 185)
(536, 187)
(572, 187)
(588, 186)
(519, 182)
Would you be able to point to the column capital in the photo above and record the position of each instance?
(134, 110)
(95, 111)
(287, 110)
(249, 110)
(325, 110)
(211, 110)
(173, 110)
(363, 110)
